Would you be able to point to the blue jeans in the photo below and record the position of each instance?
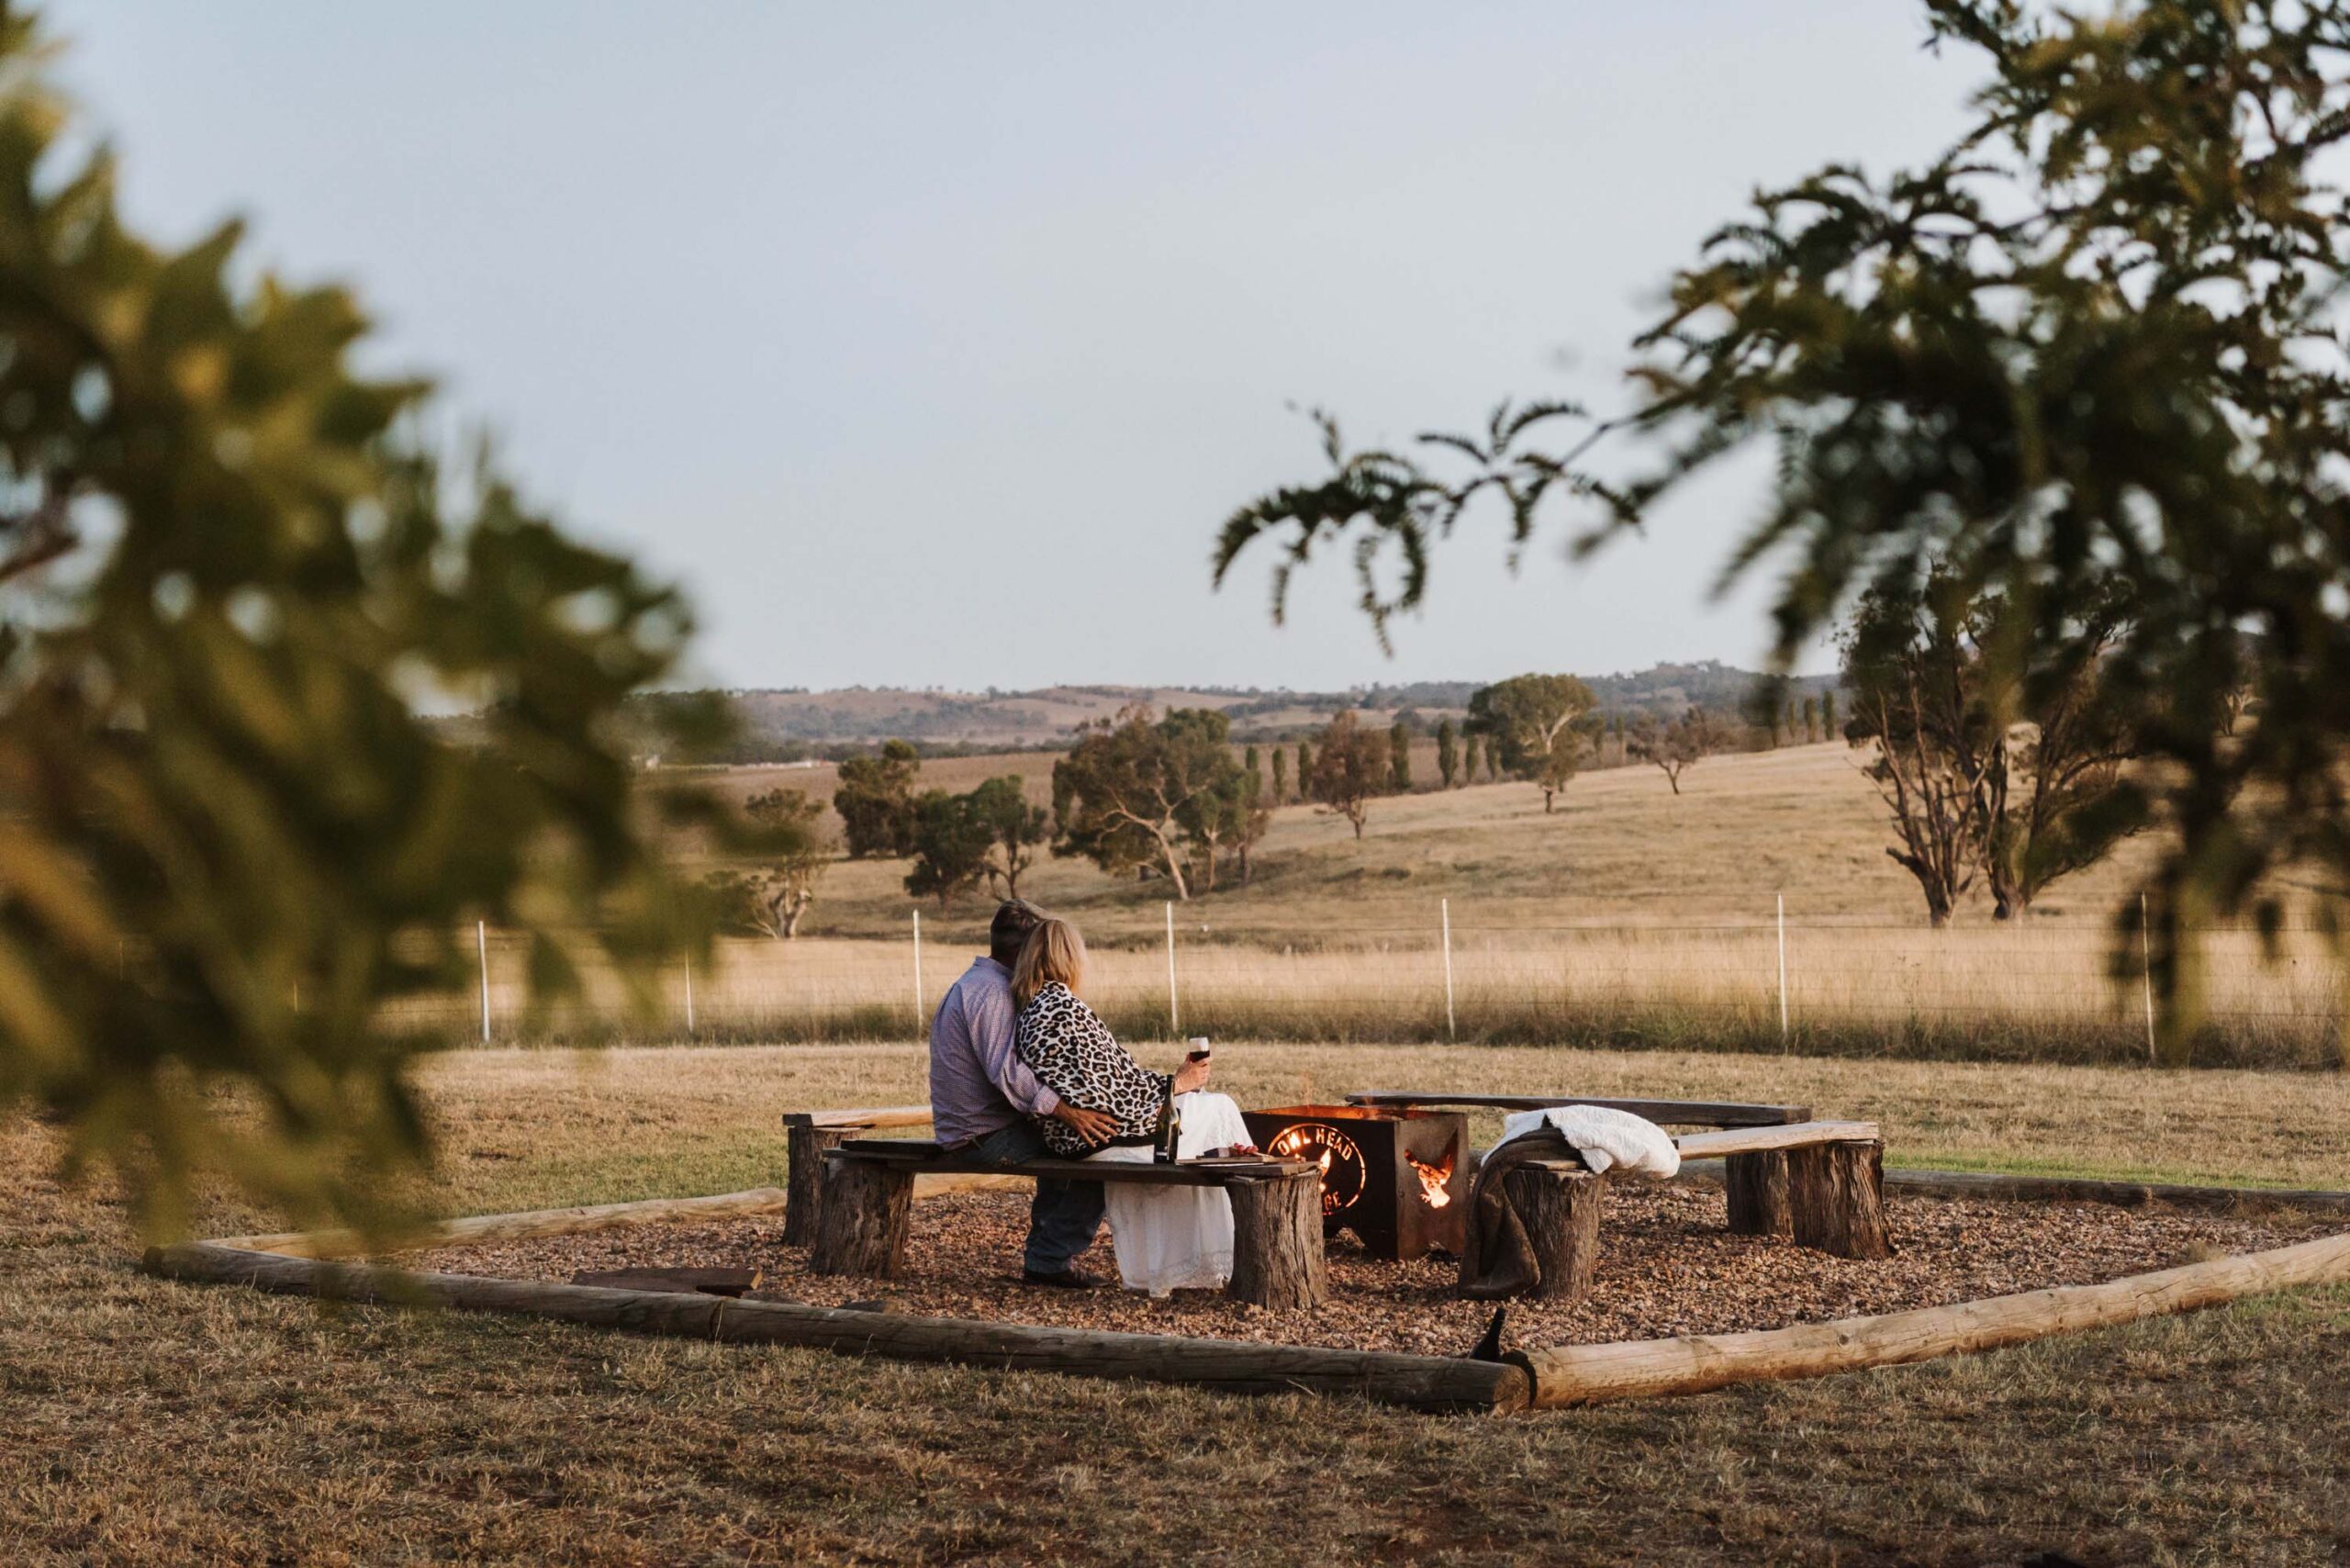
(1064, 1215)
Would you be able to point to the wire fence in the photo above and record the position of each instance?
(2028, 990)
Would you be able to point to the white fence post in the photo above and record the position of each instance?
(1782, 972)
(1174, 1018)
(689, 996)
(1444, 911)
(2146, 973)
(481, 948)
(918, 991)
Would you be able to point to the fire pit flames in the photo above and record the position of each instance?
(1390, 1176)
(1434, 1179)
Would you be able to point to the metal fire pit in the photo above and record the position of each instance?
(1394, 1177)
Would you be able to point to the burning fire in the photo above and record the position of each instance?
(1432, 1178)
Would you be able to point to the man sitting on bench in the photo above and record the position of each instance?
(985, 1103)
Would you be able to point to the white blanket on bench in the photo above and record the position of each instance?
(1171, 1239)
(1608, 1139)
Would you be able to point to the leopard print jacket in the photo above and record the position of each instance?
(1073, 1053)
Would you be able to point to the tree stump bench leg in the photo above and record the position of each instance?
(1836, 1199)
(804, 1181)
(862, 1221)
(1277, 1242)
(1757, 1187)
(1560, 1211)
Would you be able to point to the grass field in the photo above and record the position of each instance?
(1802, 822)
(142, 1422)
(1633, 917)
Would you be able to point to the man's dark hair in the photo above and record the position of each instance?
(1014, 918)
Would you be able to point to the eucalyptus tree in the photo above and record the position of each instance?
(1353, 763)
(1017, 828)
(1130, 791)
(1676, 745)
(1532, 725)
(875, 798)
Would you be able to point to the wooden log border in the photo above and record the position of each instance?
(1421, 1383)
(1651, 1369)
(303, 1263)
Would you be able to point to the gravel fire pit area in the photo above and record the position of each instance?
(1668, 1267)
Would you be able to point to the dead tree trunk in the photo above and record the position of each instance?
(1560, 1212)
(804, 1163)
(861, 1229)
(1757, 1186)
(1836, 1199)
(1277, 1242)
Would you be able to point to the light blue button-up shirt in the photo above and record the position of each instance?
(978, 1082)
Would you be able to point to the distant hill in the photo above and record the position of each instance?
(1673, 688)
(791, 725)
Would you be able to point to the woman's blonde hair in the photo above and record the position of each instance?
(1054, 951)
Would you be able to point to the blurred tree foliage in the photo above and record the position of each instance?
(227, 837)
(1986, 773)
(2099, 340)
(771, 898)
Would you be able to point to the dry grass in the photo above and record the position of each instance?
(524, 1128)
(1633, 917)
(147, 1423)
(1801, 821)
(1994, 993)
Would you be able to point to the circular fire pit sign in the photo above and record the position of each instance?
(1319, 1143)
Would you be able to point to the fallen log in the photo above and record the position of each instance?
(519, 1226)
(1994, 1184)
(1424, 1382)
(684, 1280)
(1648, 1369)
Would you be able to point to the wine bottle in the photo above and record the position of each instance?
(1170, 1129)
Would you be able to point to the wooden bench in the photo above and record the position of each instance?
(867, 1203)
(1818, 1182)
(807, 1134)
(1663, 1112)
(1821, 1183)
(1826, 1190)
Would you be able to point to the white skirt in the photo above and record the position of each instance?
(1172, 1238)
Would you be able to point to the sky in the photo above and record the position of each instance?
(928, 344)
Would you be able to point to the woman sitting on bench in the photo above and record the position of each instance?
(1167, 1237)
